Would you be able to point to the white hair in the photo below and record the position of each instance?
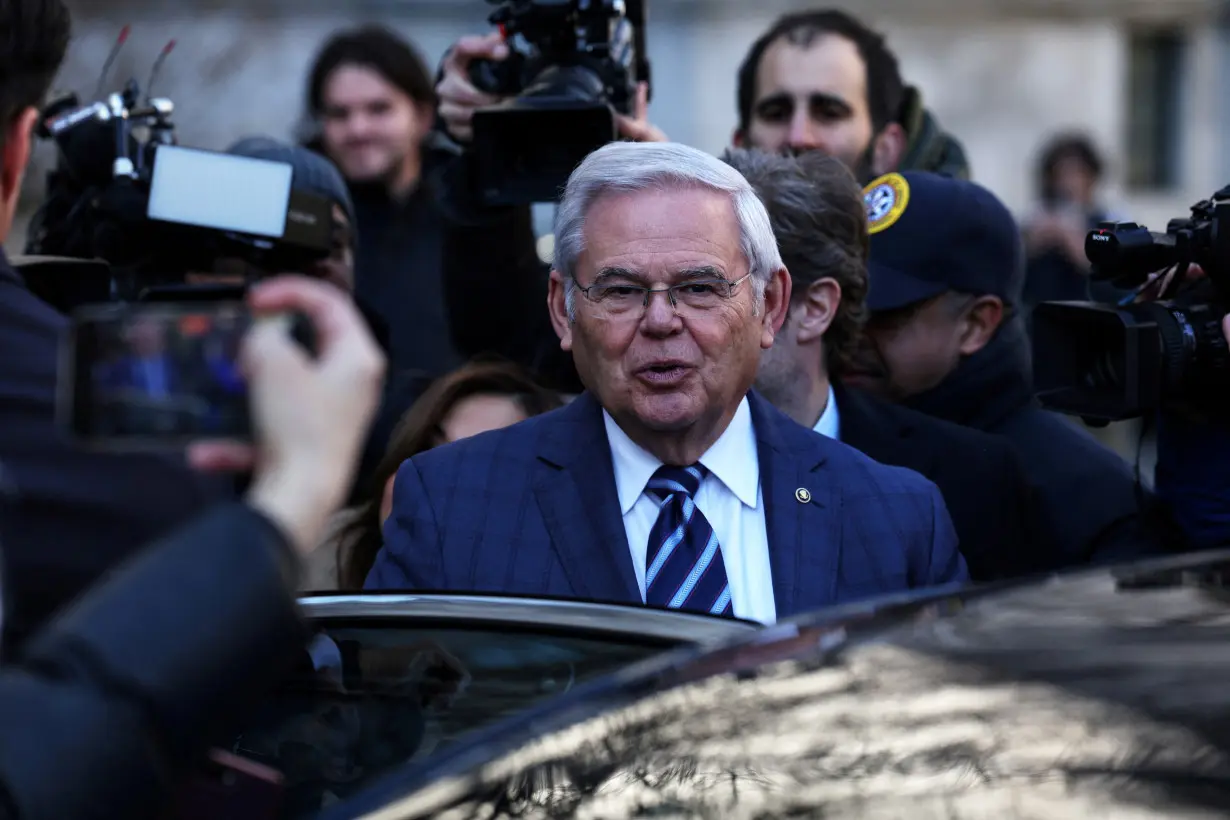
(625, 167)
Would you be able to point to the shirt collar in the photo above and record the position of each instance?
(733, 459)
(829, 424)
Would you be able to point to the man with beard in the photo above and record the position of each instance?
(823, 81)
(946, 337)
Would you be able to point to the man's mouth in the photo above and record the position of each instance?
(664, 373)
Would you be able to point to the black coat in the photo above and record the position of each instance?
(979, 475)
(68, 515)
(131, 685)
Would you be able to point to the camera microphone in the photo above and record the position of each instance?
(115, 52)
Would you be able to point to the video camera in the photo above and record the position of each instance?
(125, 192)
(1112, 362)
(572, 65)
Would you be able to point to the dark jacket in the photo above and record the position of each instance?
(496, 286)
(69, 515)
(133, 683)
(980, 476)
(399, 265)
(1088, 496)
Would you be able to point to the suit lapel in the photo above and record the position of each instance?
(576, 493)
(802, 508)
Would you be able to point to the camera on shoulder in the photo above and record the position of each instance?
(572, 65)
(1108, 362)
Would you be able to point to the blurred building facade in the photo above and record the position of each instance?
(1142, 78)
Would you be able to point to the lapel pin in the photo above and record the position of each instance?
(802, 495)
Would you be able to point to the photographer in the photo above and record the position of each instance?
(73, 514)
(115, 699)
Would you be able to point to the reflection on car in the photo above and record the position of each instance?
(393, 678)
(1097, 695)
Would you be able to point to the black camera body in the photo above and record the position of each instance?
(573, 65)
(1112, 362)
(111, 198)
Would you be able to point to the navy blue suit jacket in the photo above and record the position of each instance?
(533, 510)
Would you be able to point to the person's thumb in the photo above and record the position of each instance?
(269, 347)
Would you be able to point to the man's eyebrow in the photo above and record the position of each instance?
(702, 272)
(616, 273)
(824, 99)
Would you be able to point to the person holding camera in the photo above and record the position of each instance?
(106, 707)
(70, 514)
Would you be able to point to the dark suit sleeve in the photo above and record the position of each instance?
(943, 561)
(411, 557)
(147, 670)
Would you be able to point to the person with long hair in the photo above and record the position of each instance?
(480, 396)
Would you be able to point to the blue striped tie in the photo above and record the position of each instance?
(683, 565)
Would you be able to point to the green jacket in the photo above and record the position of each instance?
(930, 148)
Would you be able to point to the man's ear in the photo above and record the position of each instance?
(557, 306)
(979, 324)
(888, 149)
(16, 155)
(817, 307)
(737, 139)
(776, 306)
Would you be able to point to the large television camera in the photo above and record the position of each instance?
(572, 65)
(124, 192)
(1112, 362)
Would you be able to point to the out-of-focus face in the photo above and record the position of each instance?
(661, 368)
(1075, 182)
(480, 413)
(812, 97)
(147, 338)
(371, 128)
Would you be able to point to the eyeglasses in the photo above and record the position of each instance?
(695, 296)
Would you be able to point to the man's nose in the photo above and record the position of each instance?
(803, 134)
(661, 317)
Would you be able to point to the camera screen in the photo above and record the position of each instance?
(159, 373)
(207, 189)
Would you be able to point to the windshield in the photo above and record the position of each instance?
(369, 696)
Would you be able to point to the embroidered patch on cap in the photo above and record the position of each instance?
(886, 199)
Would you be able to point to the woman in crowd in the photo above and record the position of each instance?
(481, 396)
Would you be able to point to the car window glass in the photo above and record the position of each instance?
(368, 697)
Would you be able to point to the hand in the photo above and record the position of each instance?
(309, 416)
(459, 98)
(637, 127)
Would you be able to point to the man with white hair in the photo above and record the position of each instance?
(668, 482)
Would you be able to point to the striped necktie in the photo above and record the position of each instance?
(683, 564)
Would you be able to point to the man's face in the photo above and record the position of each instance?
(371, 127)
(665, 368)
(909, 351)
(812, 97)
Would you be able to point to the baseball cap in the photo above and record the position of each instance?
(313, 173)
(932, 233)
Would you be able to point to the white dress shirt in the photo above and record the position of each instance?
(730, 499)
(830, 420)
